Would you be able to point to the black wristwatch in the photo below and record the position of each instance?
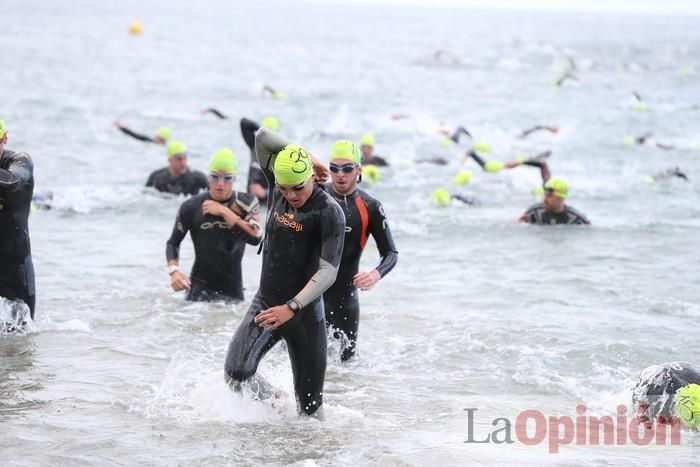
(294, 305)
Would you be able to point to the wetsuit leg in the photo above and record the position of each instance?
(343, 318)
(19, 284)
(201, 293)
(249, 345)
(305, 335)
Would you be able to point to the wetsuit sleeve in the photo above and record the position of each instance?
(248, 129)
(135, 135)
(17, 174)
(332, 238)
(528, 217)
(217, 113)
(544, 168)
(379, 228)
(151, 179)
(477, 158)
(267, 144)
(458, 132)
(183, 223)
(251, 209)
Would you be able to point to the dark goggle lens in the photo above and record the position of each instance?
(345, 168)
(216, 177)
(292, 188)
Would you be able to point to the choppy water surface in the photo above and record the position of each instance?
(480, 312)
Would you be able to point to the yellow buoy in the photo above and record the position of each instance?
(135, 28)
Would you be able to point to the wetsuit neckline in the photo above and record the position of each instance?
(228, 201)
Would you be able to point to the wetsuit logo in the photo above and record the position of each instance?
(211, 225)
(286, 220)
(348, 229)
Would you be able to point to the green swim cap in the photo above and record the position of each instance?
(372, 172)
(292, 165)
(640, 107)
(462, 178)
(446, 141)
(345, 149)
(271, 123)
(441, 197)
(3, 129)
(482, 146)
(559, 185)
(538, 190)
(628, 141)
(164, 133)
(175, 148)
(493, 166)
(367, 140)
(687, 403)
(649, 179)
(224, 160)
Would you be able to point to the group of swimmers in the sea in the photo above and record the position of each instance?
(317, 225)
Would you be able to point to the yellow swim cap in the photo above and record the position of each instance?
(640, 107)
(372, 172)
(441, 197)
(176, 148)
(367, 140)
(164, 133)
(447, 141)
(462, 178)
(271, 123)
(558, 185)
(292, 165)
(482, 146)
(687, 403)
(224, 160)
(493, 166)
(3, 129)
(345, 149)
(538, 190)
(135, 28)
(628, 141)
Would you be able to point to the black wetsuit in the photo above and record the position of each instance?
(378, 161)
(657, 386)
(458, 132)
(218, 247)
(138, 136)
(255, 173)
(16, 189)
(538, 214)
(364, 216)
(189, 183)
(301, 254)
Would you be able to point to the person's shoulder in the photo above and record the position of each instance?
(578, 215)
(370, 201)
(535, 207)
(380, 161)
(248, 201)
(160, 172)
(194, 200)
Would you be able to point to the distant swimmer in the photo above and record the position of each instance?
(16, 267)
(494, 166)
(667, 175)
(534, 129)
(302, 250)
(553, 210)
(647, 138)
(161, 137)
(42, 201)
(364, 217)
(457, 133)
(269, 91)
(568, 76)
(177, 178)
(658, 392)
(439, 54)
(443, 198)
(257, 182)
(367, 143)
(221, 222)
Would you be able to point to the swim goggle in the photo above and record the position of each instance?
(216, 177)
(345, 168)
(298, 187)
(179, 157)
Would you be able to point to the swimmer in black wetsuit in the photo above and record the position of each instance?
(221, 222)
(161, 137)
(553, 210)
(528, 132)
(654, 394)
(367, 148)
(16, 267)
(177, 178)
(364, 216)
(301, 253)
(667, 175)
(494, 166)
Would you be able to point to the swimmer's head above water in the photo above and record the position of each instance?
(223, 168)
(345, 166)
(556, 189)
(163, 135)
(367, 147)
(177, 157)
(293, 171)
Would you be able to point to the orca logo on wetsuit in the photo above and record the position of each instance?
(348, 229)
(286, 220)
(211, 225)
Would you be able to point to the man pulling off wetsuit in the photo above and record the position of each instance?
(177, 178)
(364, 216)
(221, 222)
(16, 267)
(301, 254)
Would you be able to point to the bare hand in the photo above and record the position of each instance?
(214, 208)
(274, 317)
(179, 281)
(320, 171)
(118, 124)
(366, 280)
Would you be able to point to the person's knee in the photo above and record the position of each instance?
(237, 372)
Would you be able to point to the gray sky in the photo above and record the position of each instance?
(673, 7)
